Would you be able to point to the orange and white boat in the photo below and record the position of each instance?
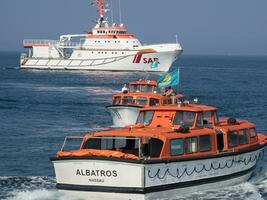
(170, 151)
(124, 108)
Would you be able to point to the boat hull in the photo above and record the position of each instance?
(123, 115)
(167, 194)
(151, 179)
(120, 63)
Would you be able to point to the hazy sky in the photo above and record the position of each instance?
(224, 27)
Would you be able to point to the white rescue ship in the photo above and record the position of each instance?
(106, 47)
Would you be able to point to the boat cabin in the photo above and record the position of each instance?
(137, 99)
(171, 132)
(147, 86)
(143, 93)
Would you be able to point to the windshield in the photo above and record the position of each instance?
(141, 88)
(123, 144)
(127, 100)
(184, 118)
(145, 117)
(117, 100)
(141, 101)
(141, 147)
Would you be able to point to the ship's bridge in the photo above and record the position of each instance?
(109, 30)
(113, 32)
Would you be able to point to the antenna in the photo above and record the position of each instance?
(111, 11)
(176, 38)
(100, 2)
(120, 10)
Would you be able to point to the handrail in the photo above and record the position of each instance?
(69, 137)
(51, 42)
(38, 41)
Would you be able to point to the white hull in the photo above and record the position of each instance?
(109, 63)
(123, 115)
(163, 195)
(133, 180)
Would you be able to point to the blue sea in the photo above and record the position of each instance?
(39, 108)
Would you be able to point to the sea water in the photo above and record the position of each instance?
(40, 107)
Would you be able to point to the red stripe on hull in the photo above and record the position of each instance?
(138, 59)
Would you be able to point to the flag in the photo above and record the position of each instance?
(169, 79)
(154, 64)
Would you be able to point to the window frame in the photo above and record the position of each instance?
(146, 100)
(123, 99)
(183, 146)
(236, 133)
(154, 99)
(210, 147)
(246, 134)
(114, 100)
(152, 116)
(192, 123)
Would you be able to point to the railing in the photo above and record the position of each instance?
(63, 44)
(70, 44)
(40, 42)
(68, 138)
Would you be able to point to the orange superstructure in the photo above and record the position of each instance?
(144, 93)
(169, 149)
(175, 132)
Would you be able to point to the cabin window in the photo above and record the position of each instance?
(191, 145)
(253, 135)
(107, 143)
(145, 117)
(93, 143)
(243, 136)
(154, 102)
(207, 119)
(120, 142)
(200, 120)
(72, 143)
(204, 143)
(133, 88)
(141, 101)
(152, 148)
(127, 100)
(177, 147)
(117, 100)
(232, 138)
(216, 118)
(123, 144)
(252, 132)
(146, 88)
(184, 118)
(167, 101)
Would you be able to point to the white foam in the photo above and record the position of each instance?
(40, 195)
(244, 191)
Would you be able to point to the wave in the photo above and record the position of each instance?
(43, 188)
(40, 195)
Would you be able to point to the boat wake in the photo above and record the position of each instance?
(254, 189)
(30, 188)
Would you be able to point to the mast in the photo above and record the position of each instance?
(100, 8)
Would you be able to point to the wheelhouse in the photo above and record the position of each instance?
(147, 86)
(138, 99)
